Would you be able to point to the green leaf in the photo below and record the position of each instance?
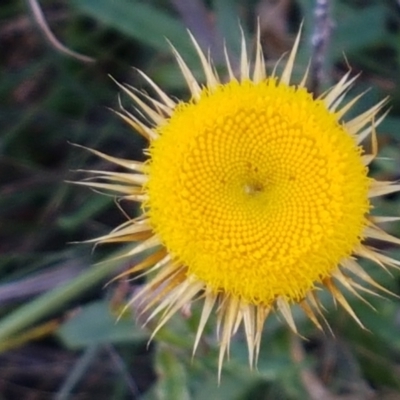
(228, 22)
(95, 324)
(236, 384)
(55, 299)
(172, 381)
(347, 37)
(139, 21)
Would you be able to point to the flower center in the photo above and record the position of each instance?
(252, 188)
(257, 189)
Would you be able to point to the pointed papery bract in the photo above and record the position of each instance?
(255, 195)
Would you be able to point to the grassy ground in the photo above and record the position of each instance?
(58, 335)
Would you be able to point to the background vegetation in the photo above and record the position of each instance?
(58, 336)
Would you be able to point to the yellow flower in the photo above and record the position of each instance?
(254, 195)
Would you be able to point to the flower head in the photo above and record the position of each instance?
(254, 195)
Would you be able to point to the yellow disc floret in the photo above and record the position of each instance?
(257, 189)
(253, 195)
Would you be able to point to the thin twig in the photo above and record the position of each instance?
(77, 372)
(36, 284)
(319, 40)
(312, 383)
(40, 20)
(22, 24)
(120, 364)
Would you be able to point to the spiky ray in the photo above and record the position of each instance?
(171, 287)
